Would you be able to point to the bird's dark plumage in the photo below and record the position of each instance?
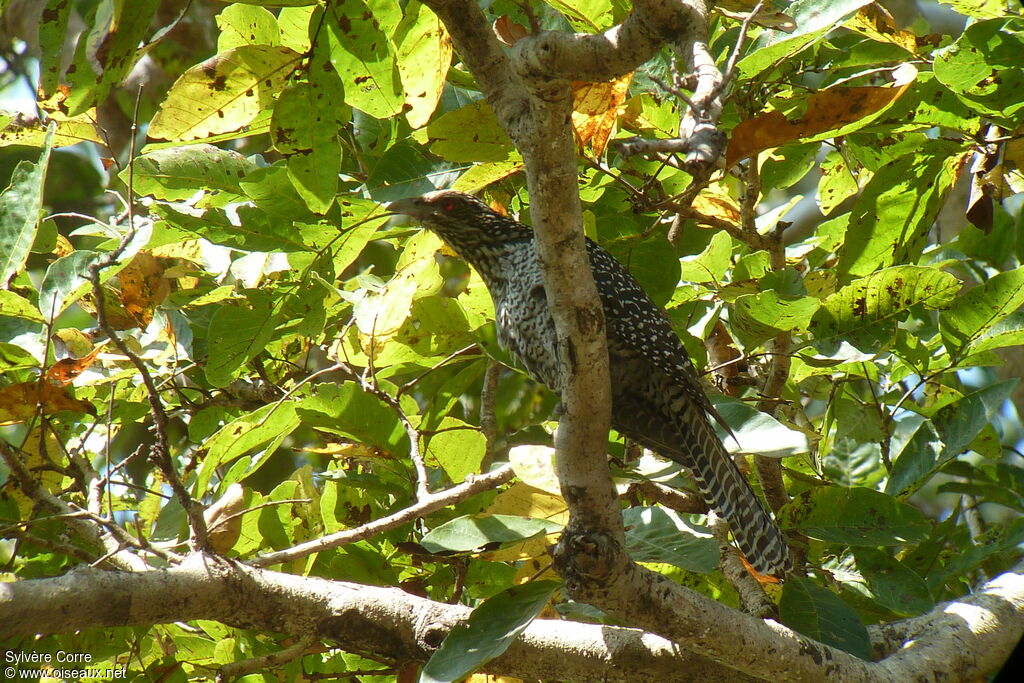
(656, 397)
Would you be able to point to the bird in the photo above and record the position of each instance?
(657, 400)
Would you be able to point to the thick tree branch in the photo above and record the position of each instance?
(615, 52)
(387, 622)
(699, 124)
(967, 639)
(972, 636)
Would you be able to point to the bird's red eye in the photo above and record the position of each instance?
(449, 206)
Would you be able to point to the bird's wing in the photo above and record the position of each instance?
(636, 322)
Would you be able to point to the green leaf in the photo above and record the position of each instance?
(67, 278)
(758, 317)
(788, 164)
(241, 24)
(237, 333)
(303, 118)
(458, 449)
(407, 170)
(471, 533)
(278, 3)
(854, 516)
(588, 16)
(858, 311)
(16, 306)
(178, 173)
(269, 424)
(481, 175)
(224, 93)
(837, 182)
(274, 194)
(974, 315)
(53, 25)
(491, 628)
(294, 25)
(350, 245)
(896, 209)
(654, 534)
(757, 432)
(710, 265)
(950, 432)
(349, 411)
(447, 134)
(820, 614)
(20, 207)
(892, 583)
(1007, 332)
(651, 261)
(276, 522)
(107, 52)
(918, 458)
(363, 54)
(962, 420)
(997, 539)
(979, 9)
(424, 55)
(925, 104)
(305, 126)
(813, 19)
(983, 67)
(380, 316)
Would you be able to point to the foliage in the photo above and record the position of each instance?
(257, 253)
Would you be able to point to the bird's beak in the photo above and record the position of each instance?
(412, 208)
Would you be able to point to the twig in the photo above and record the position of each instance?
(686, 503)
(488, 414)
(753, 599)
(233, 670)
(676, 92)
(451, 356)
(160, 450)
(271, 503)
(54, 546)
(730, 67)
(415, 454)
(86, 524)
(422, 507)
(298, 385)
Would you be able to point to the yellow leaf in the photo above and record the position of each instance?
(595, 108)
(224, 93)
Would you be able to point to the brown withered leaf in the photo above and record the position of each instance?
(507, 31)
(19, 402)
(143, 287)
(595, 108)
(225, 529)
(826, 110)
(66, 370)
(875, 22)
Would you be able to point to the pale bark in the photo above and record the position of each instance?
(961, 640)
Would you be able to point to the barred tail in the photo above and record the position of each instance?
(726, 490)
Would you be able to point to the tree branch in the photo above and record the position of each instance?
(387, 622)
(109, 536)
(424, 506)
(970, 637)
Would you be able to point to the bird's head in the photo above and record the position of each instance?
(461, 220)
